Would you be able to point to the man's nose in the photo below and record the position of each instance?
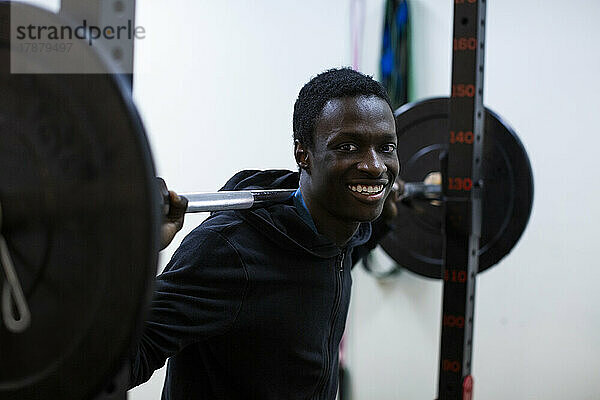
(372, 163)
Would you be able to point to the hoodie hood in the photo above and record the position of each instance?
(253, 179)
(281, 222)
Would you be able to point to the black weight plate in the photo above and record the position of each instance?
(86, 275)
(417, 239)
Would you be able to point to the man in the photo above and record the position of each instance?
(253, 304)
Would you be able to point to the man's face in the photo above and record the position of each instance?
(354, 163)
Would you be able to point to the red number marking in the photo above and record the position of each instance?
(468, 43)
(460, 184)
(450, 365)
(454, 275)
(461, 137)
(454, 321)
(462, 90)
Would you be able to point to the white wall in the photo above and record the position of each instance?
(216, 82)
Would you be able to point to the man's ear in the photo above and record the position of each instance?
(301, 155)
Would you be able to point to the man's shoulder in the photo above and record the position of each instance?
(223, 224)
(265, 230)
(223, 227)
(215, 238)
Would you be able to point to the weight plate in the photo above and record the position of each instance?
(417, 239)
(73, 150)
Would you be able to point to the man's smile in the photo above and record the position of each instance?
(371, 192)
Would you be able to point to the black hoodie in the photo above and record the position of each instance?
(252, 305)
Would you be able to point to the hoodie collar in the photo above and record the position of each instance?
(302, 209)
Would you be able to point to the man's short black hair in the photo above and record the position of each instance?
(328, 85)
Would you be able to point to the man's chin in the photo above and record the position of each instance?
(366, 215)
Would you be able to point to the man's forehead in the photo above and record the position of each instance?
(355, 110)
(359, 103)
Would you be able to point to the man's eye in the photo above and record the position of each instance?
(348, 147)
(388, 148)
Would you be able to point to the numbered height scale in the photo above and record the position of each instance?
(462, 187)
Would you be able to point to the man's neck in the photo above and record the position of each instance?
(339, 232)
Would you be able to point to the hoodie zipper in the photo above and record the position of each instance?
(339, 273)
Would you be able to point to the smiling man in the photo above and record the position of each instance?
(346, 152)
(253, 304)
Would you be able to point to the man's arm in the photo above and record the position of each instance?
(197, 296)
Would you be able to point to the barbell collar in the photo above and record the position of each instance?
(420, 190)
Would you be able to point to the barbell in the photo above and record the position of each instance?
(248, 199)
(81, 215)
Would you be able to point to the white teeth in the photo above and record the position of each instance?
(366, 189)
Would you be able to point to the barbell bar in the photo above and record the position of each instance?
(246, 199)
